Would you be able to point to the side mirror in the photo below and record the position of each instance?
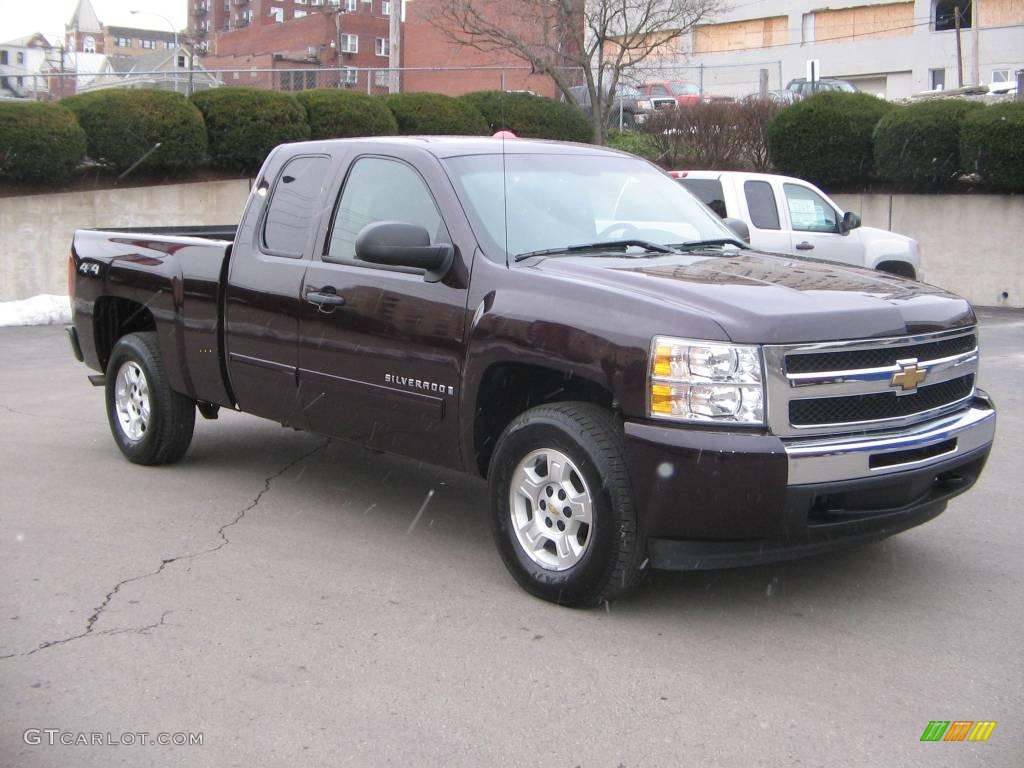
(397, 244)
(850, 221)
(739, 227)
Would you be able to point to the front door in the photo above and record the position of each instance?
(814, 226)
(382, 364)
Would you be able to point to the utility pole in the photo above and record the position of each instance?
(975, 38)
(959, 52)
(394, 44)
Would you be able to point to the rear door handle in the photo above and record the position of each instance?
(804, 246)
(324, 300)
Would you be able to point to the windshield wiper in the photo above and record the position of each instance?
(600, 246)
(708, 243)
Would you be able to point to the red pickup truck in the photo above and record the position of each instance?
(639, 387)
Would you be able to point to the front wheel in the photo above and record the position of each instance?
(150, 422)
(561, 505)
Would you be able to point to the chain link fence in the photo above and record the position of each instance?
(730, 81)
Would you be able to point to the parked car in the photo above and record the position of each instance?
(788, 215)
(629, 107)
(639, 388)
(681, 92)
(802, 88)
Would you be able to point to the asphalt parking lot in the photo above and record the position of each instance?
(270, 593)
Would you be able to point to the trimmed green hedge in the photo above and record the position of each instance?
(918, 146)
(244, 124)
(531, 117)
(39, 143)
(123, 125)
(335, 113)
(433, 114)
(634, 142)
(827, 139)
(992, 143)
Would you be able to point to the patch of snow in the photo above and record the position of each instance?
(44, 309)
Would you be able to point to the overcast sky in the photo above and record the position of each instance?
(23, 17)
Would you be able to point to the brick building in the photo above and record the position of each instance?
(85, 33)
(298, 39)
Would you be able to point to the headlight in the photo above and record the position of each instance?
(700, 381)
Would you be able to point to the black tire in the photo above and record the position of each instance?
(592, 440)
(172, 417)
(898, 268)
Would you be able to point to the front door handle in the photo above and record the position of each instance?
(804, 246)
(327, 302)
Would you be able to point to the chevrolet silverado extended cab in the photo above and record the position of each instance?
(639, 388)
(788, 215)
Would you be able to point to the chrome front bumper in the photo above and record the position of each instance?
(826, 460)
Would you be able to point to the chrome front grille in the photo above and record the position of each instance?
(840, 387)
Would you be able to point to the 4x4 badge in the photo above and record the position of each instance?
(908, 377)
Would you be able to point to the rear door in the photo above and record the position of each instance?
(271, 252)
(759, 198)
(384, 367)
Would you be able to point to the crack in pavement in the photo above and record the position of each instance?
(91, 621)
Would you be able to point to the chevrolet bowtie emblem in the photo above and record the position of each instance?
(908, 377)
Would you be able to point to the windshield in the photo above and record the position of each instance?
(684, 89)
(557, 201)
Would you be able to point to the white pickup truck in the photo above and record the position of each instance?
(788, 215)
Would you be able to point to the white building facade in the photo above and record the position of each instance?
(892, 49)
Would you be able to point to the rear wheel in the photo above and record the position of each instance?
(561, 505)
(151, 423)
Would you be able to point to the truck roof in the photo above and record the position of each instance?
(453, 146)
(744, 175)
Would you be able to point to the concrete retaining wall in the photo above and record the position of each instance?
(971, 244)
(36, 230)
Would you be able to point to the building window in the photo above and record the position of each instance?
(382, 78)
(147, 44)
(385, 8)
(300, 2)
(277, 13)
(3, 57)
(1001, 76)
(937, 79)
(946, 12)
(122, 42)
(181, 61)
(349, 76)
(350, 44)
(300, 14)
(21, 57)
(351, 6)
(382, 46)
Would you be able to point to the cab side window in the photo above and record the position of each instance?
(381, 190)
(294, 206)
(764, 213)
(808, 211)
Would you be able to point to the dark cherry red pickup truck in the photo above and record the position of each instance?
(640, 389)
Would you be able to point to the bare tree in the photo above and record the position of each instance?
(597, 38)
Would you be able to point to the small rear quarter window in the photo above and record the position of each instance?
(709, 192)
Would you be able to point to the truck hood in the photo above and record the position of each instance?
(768, 299)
